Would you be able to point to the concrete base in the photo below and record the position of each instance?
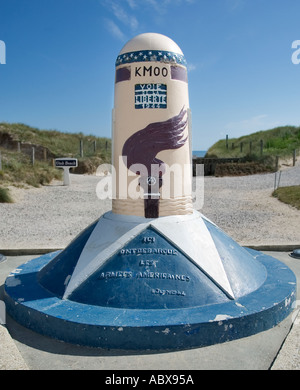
(114, 298)
(37, 309)
(262, 351)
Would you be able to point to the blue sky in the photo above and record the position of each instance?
(60, 56)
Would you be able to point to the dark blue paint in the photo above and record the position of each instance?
(54, 275)
(137, 329)
(151, 56)
(149, 281)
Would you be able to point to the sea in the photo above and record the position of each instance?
(199, 153)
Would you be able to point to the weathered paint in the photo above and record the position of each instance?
(29, 303)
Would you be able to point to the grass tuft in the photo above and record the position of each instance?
(5, 196)
(289, 195)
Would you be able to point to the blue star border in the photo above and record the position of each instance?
(151, 56)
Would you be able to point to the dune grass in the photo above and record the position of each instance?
(280, 141)
(58, 142)
(289, 195)
(17, 168)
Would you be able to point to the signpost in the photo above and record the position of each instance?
(66, 164)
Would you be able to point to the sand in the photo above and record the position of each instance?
(51, 216)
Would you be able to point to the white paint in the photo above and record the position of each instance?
(192, 237)
(16, 271)
(12, 281)
(220, 318)
(67, 280)
(109, 236)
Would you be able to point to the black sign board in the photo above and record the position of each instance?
(66, 162)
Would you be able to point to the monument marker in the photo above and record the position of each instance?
(151, 127)
(152, 273)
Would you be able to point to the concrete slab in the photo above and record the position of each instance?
(10, 357)
(289, 355)
(269, 349)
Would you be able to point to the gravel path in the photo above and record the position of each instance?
(51, 216)
(244, 208)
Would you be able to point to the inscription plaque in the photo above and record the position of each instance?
(150, 96)
(148, 273)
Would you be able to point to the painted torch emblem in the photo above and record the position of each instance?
(141, 150)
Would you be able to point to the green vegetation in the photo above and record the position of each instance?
(5, 196)
(289, 195)
(61, 144)
(17, 168)
(280, 141)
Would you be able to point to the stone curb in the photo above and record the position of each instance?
(10, 357)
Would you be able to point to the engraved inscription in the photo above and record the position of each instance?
(115, 275)
(158, 291)
(148, 240)
(143, 274)
(148, 251)
(148, 263)
(162, 275)
(153, 269)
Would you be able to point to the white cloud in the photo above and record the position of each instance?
(120, 14)
(125, 12)
(123, 16)
(160, 6)
(131, 3)
(191, 67)
(115, 30)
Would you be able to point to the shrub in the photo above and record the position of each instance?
(5, 196)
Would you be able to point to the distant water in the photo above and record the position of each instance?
(199, 153)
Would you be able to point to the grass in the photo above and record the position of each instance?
(289, 195)
(17, 168)
(61, 144)
(280, 141)
(5, 196)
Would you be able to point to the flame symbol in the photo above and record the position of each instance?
(143, 146)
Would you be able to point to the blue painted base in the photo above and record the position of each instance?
(34, 306)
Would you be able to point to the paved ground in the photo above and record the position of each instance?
(277, 348)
